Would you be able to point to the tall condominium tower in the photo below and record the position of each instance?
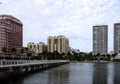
(116, 37)
(63, 44)
(50, 44)
(59, 43)
(41, 47)
(100, 39)
(10, 32)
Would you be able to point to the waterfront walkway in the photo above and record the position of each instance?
(14, 63)
(15, 67)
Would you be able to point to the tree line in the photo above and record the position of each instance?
(82, 56)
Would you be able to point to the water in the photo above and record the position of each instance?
(74, 73)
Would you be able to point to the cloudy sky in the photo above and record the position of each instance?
(72, 18)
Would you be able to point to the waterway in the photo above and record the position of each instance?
(73, 73)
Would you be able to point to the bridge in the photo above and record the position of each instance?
(13, 67)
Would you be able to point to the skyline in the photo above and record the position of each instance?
(43, 18)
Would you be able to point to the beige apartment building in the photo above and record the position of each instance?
(32, 46)
(38, 48)
(50, 44)
(63, 44)
(41, 47)
(59, 43)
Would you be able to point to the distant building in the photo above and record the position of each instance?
(111, 52)
(11, 33)
(50, 44)
(76, 50)
(117, 56)
(70, 50)
(59, 43)
(25, 52)
(116, 37)
(41, 47)
(63, 44)
(100, 39)
(37, 48)
(31, 46)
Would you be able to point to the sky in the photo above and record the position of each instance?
(72, 18)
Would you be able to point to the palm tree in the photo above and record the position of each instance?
(56, 55)
(21, 51)
(40, 56)
(44, 54)
(13, 50)
(4, 50)
(108, 57)
(62, 56)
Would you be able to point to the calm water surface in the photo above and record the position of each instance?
(74, 73)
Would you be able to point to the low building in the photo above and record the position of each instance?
(32, 46)
(76, 50)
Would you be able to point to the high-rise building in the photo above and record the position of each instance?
(11, 33)
(63, 44)
(116, 37)
(59, 43)
(50, 44)
(41, 47)
(100, 39)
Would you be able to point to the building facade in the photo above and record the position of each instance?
(63, 44)
(50, 44)
(37, 48)
(32, 46)
(11, 33)
(58, 43)
(100, 39)
(116, 37)
(41, 47)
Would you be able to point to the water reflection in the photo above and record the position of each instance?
(81, 73)
(74, 73)
(99, 74)
(110, 71)
(117, 73)
(18, 80)
(58, 75)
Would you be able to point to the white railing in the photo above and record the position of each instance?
(8, 63)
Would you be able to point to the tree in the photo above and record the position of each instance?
(40, 56)
(98, 55)
(108, 57)
(26, 49)
(13, 50)
(68, 54)
(29, 54)
(56, 55)
(44, 54)
(4, 50)
(63, 56)
(21, 51)
(113, 55)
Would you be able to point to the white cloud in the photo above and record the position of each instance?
(73, 18)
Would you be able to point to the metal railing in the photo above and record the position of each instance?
(8, 63)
